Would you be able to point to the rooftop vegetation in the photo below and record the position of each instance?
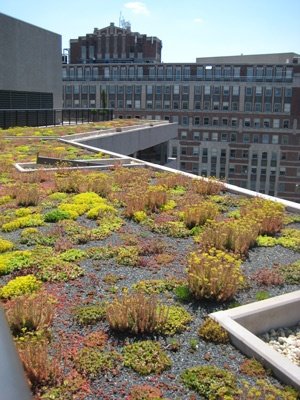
(107, 279)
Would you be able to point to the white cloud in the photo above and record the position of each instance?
(199, 20)
(137, 7)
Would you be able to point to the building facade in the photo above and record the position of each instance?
(30, 66)
(114, 44)
(238, 119)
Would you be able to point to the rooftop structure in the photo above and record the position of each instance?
(30, 66)
(114, 45)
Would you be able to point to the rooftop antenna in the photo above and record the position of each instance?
(124, 24)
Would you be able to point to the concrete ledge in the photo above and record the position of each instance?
(245, 322)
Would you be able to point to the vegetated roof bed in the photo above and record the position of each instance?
(107, 279)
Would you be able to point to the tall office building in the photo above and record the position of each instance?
(238, 117)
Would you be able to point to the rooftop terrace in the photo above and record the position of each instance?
(107, 277)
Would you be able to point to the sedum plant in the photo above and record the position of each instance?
(212, 331)
(214, 274)
(19, 286)
(146, 357)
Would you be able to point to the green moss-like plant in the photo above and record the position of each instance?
(56, 215)
(90, 313)
(127, 255)
(92, 361)
(19, 286)
(140, 216)
(23, 222)
(177, 320)
(5, 245)
(14, 260)
(291, 273)
(212, 331)
(211, 382)
(252, 367)
(54, 269)
(152, 286)
(100, 253)
(266, 241)
(106, 227)
(146, 357)
(72, 255)
(263, 389)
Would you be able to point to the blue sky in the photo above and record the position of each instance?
(188, 29)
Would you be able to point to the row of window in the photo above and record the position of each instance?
(232, 137)
(178, 72)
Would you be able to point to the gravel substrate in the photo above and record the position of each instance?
(192, 350)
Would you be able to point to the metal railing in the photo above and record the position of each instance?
(47, 117)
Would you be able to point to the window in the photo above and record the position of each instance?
(278, 74)
(186, 72)
(216, 89)
(79, 73)
(177, 73)
(206, 105)
(266, 123)
(137, 104)
(248, 91)
(288, 92)
(197, 89)
(265, 139)
(234, 106)
(267, 107)
(275, 139)
(169, 72)
(268, 91)
(248, 106)
(197, 105)
(176, 89)
(197, 121)
(245, 153)
(233, 137)
(216, 105)
(276, 123)
(255, 138)
(217, 72)
(231, 168)
(196, 135)
(235, 90)
(140, 72)
(258, 107)
(256, 123)
(106, 73)
(160, 73)
(183, 134)
(233, 121)
(195, 150)
(207, 90)
(214, 136)
(258, 90)
(149, 104)
(286, 123)
(287, 108)
(224, 121)
(277, 92)
(247, 122)
(128, 104)
(285, 139)
(259, 73)
(185, 120)
(244, 169)
(185, 105)
(200, 72)
(174, 151)
(236, 72)
(277, 107)
(246, 138)
(205, 136)
(76, 89)
(215, 121)
(226, 90)
(223, 137)
(225, 105)
(149, 89)
(166, 104)
(92, 89)
(183, 150)
(282, 171)
(269, 73)
(83, 52)
(206, 121)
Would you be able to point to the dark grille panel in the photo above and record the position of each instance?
(12, 100)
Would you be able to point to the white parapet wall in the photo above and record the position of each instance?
(244, 323)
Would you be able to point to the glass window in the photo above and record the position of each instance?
(266, 123)
(233, 137)
(277, 92)
(248, 106)
(152, 73)
(200, 72)
(287, 108)
(83, 52)
(169, 72)
(276, 123)
(255, 138)
(223, 137)
(183, 134)
(205, 136)
(265, 139)
(235, 90)
(140, 72)
(268, 91)
(275, 139)
(225, 90)
(288, 92)
(248, 91)
(79, 73)
(269, 73)
(214, 136)
(176, 89)
(196, 135)
(233, 121)
(123, 73)
(185, 120)
(246, 138)
(256, 123)
(149, 89)
(286, 123)
(206, 121)
(232, 153)
(186, 72)
(247, 122)
(259, 72)
(249, 73)
(106, 72)
(258, 107)
(289, 73)
(277, 107)
(177, 73)
(195, 150)
(279, 71)
(207, 89)
(236, 72)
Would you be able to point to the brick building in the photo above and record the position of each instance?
(238, 117)
(114, 44)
